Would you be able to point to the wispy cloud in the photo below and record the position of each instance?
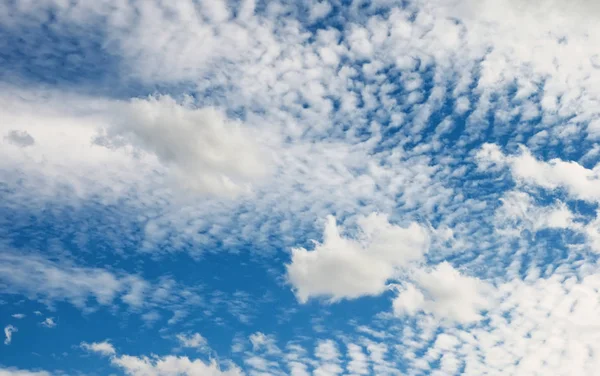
(49, 322)
(155, 365)
(8, 333)
(11, 371)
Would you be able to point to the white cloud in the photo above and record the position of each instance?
(377, 354)
(103, 348)
(358, 364)
(48, 281)
(169, 365)
(519, 212)
(89, 288)
(20, 372)
(536, 326)
(49, 322)
(544, 326)
(319, 9)
(446, 294)
(462, 105)
(263, 342)
(578, 181)
(18, 315)
(197, 149)
(209, 152)
(544, 48)
(151, 317)
(8, 332)
(328, 354)
(296, 357)
(178, 314)
(409, 301)
(274, 69)
(592, 232)
(196, 341)
(373, 333)
(347, 268)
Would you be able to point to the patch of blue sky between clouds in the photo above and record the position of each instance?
(167, 172)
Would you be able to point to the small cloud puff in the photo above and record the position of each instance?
(196, 341)
(104, 348)
(446, 294)
(8, 332)
(49, 322)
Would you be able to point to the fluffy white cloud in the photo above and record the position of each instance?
(544, 326)
(358, 364)
(519, 212)
(446, 294)
(169, 365)
(578, 181)
(8, 332)
(348, 268)
(592, 232)
(104, 348)
(329, 359)
(18, 315)
(275, 74)
(196, 341)
(536, 326)
(209, 152)
(198, 149)
(263, 342)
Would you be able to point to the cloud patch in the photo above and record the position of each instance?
(20, 372)
(8, 333)
(49, 281)
(578, 181)
(348, 268)
(446, 294)
(20, 138)
(208, 151)
(169, 365)
(49, 323)
(194, 341)
(103, 348)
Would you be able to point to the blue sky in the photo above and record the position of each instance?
(299, 188)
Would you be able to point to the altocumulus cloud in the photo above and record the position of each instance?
(137, 134)
(155, 365)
